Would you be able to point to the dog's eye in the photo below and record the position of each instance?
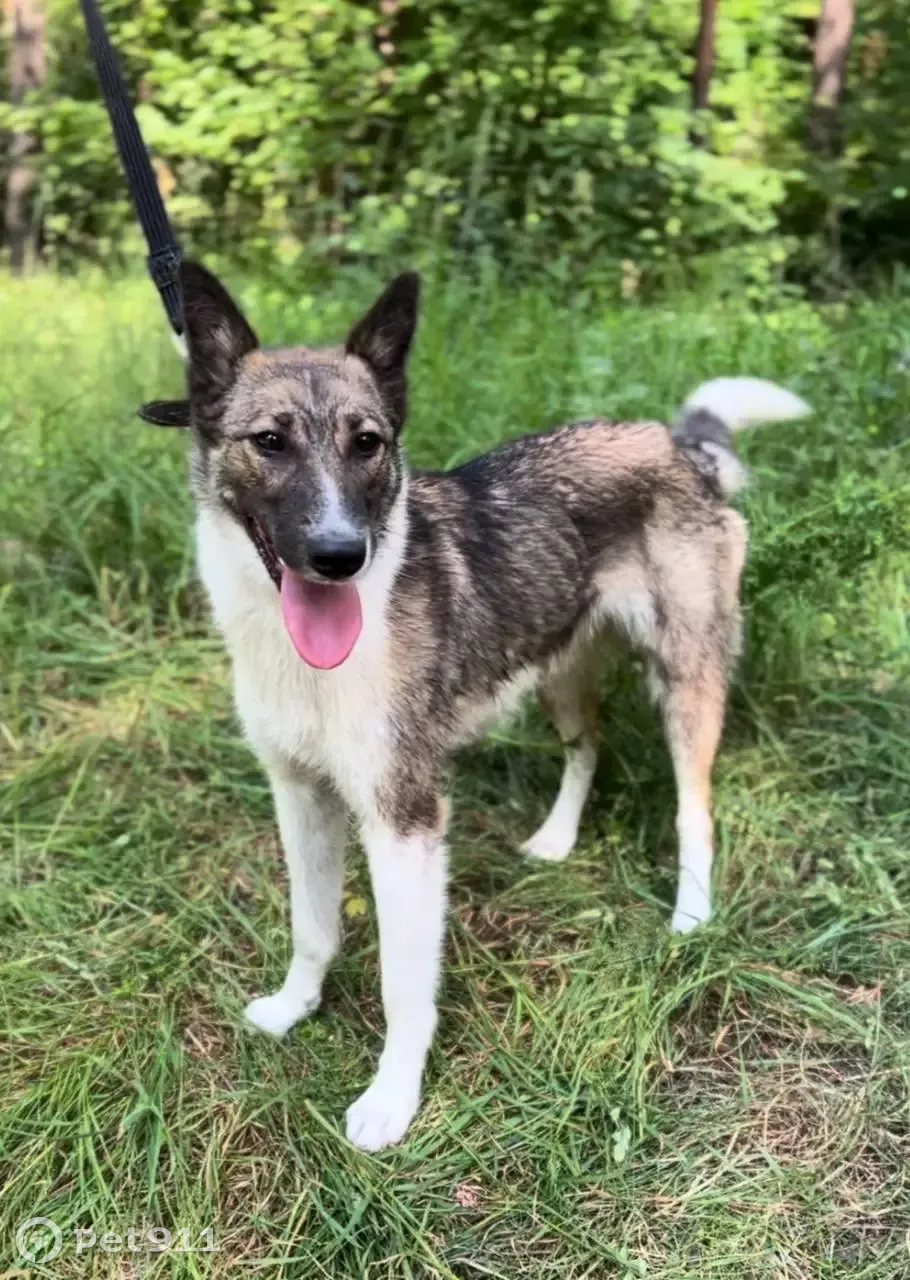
(367, 443)
(268, 442)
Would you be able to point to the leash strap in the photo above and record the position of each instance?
(164, 252)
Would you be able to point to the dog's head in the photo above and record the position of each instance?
(300, 445)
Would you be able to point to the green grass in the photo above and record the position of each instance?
(603, 1099)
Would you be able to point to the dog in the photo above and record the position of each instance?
(379, 617)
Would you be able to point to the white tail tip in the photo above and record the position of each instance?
(744, 402)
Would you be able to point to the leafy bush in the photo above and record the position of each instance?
(508, 127)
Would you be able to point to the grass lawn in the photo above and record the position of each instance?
(603, 1099)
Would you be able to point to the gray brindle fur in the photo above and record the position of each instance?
(477, 584)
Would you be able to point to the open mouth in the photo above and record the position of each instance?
(262, 541)
(323, 619)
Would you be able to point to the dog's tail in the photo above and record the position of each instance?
(719, 408)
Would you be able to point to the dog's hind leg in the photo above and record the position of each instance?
(694, 649)
(693, 698)
(312, 825)
(570, 699)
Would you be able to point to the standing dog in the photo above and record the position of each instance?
(379, 617)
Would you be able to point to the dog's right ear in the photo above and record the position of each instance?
(217, 338)
(166, 413)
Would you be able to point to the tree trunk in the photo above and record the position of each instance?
(704, 55)
(832, 42)
(26, 71)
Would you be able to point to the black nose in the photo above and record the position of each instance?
(337, 556)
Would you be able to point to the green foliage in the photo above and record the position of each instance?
(875, 186)
(513, 128)
(340, 127)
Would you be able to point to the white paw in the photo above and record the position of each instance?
(380, 1116)
(552, 843)
(695, 910)
(276, 1014)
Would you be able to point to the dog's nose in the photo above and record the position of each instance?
(337, 555)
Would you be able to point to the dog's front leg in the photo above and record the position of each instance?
(312, 822)
(409, 877)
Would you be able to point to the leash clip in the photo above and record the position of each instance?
(163, 266)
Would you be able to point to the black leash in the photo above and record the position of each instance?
(164, 251)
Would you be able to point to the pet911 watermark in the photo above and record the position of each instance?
(41, 1240)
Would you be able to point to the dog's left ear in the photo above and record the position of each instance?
(383, 337)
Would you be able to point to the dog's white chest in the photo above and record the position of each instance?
(334, 722)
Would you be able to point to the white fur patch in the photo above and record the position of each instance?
(696, 854)
(732, 475)
(333, 519)
(624, 599)
(290, 711)
(276, 1014)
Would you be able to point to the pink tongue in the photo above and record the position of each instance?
(322, 621)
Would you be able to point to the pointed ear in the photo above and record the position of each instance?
(166, 413)
(217, 337)
(382, 340)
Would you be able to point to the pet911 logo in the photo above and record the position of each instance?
(40, 1240)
